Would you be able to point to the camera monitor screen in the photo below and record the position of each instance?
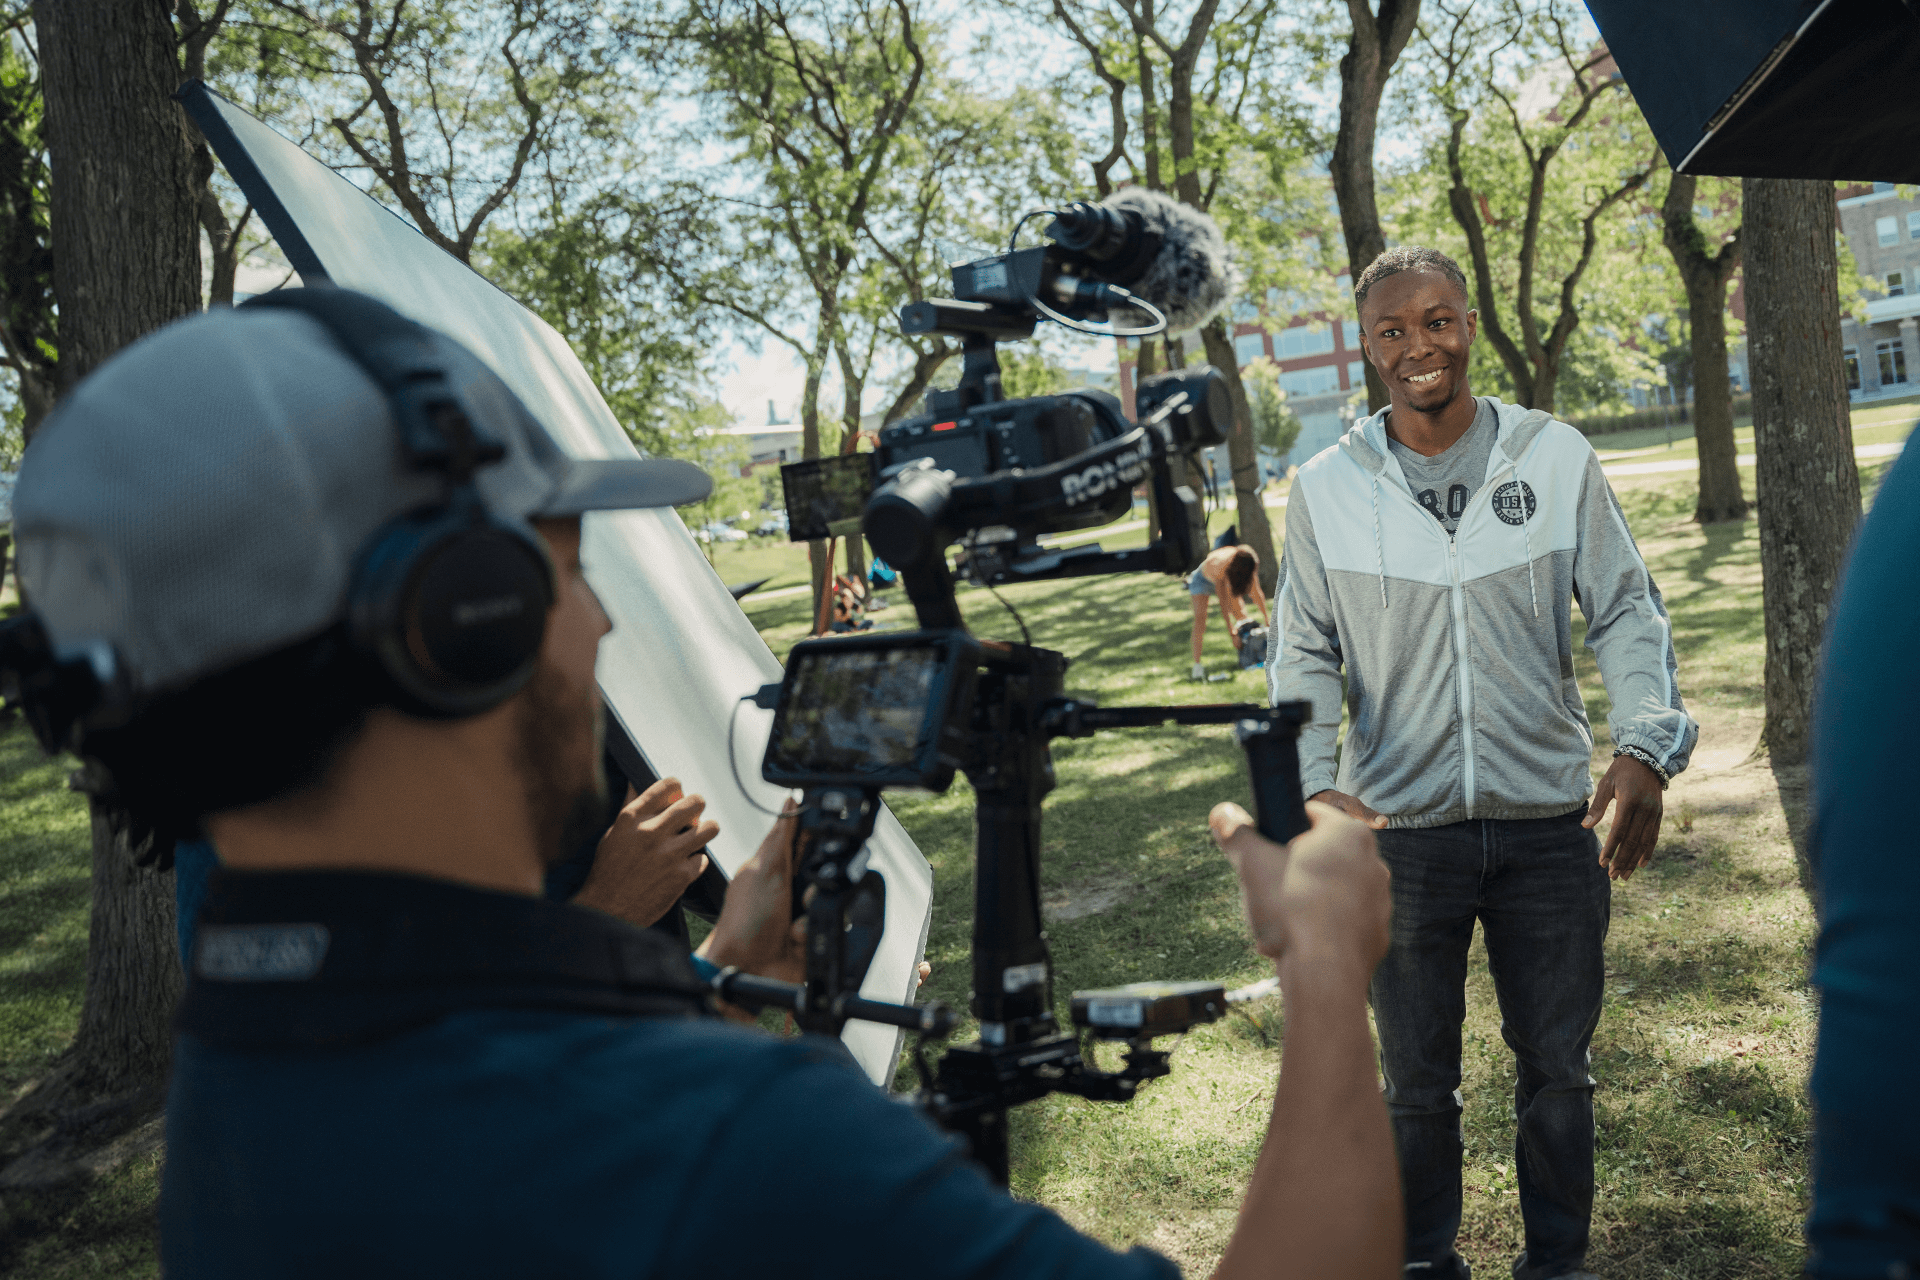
(825, 491)
(864, 714)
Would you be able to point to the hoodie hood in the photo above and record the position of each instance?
(1366, 441)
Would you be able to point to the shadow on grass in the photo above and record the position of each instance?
(90, 1227)
(1712, 1236)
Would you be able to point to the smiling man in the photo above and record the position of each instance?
(1435, 553)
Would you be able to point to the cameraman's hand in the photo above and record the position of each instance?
(650, 855)
(756, 932)
(1319, 907)
(1352, 806)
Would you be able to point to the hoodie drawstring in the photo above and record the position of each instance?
(1379, 543)
(1526, 532)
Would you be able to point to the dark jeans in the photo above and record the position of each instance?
(1544, 903)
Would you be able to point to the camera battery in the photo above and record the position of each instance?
(1141, 1010)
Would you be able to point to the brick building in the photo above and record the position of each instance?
(1883, 355)
(1321, 368)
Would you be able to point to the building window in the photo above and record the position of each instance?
(1350, 334)
(1249, 347)
(1303, 340)
(1356, 375)
(1888, 229)
(1852, 357)
(1896, 284)
(1913, 225)
(1311, 382)
(1893, 362)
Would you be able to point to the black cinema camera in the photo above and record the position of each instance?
(996, 474)
(858, 714)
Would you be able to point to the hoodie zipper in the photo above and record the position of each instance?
(1457, 590)
(1460, 665)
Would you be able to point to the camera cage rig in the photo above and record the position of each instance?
(990, 709)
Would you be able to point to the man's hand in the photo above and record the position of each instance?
(1351, 806)
(1636, 823)
(649, 855)
(1318, 906)
(756, 932)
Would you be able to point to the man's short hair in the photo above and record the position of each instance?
(1410, 257)
(268, 729)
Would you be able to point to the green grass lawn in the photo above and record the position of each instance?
(1701, 1055)
(106, 1227)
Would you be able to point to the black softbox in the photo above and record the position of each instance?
(1775, 88)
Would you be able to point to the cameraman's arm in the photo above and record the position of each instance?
(1324, 1201)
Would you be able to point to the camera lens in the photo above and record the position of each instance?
(904, 515)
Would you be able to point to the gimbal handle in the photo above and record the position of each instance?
(1267, 734)
(752, 992)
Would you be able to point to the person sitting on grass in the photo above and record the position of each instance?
(1231, 575)
(393, 1057)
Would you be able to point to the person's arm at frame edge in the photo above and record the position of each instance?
(1324, 1200)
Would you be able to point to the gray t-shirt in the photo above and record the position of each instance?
(1443, 483)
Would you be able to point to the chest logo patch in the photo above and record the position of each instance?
(1508, 502)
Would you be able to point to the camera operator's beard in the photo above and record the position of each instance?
(558, 749)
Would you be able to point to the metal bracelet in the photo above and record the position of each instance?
(1646, 759)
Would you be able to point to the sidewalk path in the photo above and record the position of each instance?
(1862, 451)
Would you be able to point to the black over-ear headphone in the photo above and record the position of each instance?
(449, 599)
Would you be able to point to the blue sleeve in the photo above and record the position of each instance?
(862, 1185)
(1866, 769)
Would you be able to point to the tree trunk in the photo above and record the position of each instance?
(123, 221)
(1705, 276)
(818, 562)
(1372, 49)
(853, 391)
(1250, 507)
(1721, 497)
(1145, 365)
(1806, 483)
(133, 971)
(126, 260)
(856, 544)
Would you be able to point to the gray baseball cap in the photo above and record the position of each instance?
(203, 497)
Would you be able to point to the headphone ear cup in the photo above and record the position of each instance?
(453, 609)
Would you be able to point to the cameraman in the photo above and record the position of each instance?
(394, 1058)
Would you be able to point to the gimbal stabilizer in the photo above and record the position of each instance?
(857, 714)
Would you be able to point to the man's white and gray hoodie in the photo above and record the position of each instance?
(1459, 649)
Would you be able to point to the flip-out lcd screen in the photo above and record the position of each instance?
(825, 491)
(868, 712)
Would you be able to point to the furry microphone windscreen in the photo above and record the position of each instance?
(1190, 278)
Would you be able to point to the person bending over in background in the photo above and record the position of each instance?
(393, 1057)
(1231, 575)
(1435, 553)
